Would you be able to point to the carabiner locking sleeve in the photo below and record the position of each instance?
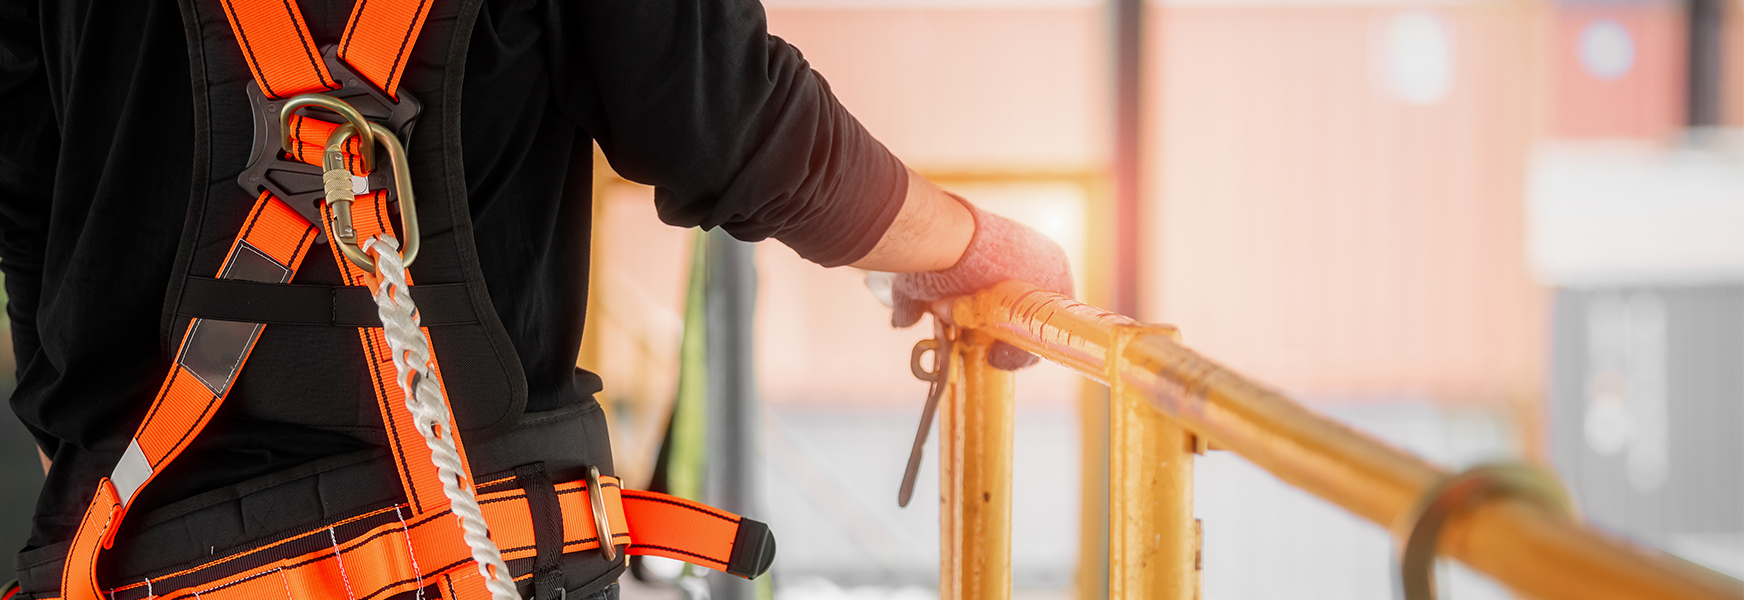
(340, 194)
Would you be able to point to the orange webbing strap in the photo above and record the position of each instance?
(418, 474)
(390, 551)
(277, 45)
(272, 245)
(309, 142)
(679, 529)
(286, 61)
(379, 38)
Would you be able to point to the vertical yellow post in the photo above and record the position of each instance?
(1093, 492)
(1153, 540)
(975, 423)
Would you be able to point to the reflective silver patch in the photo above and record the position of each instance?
(131, 472)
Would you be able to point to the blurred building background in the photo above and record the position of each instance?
(1479, 229)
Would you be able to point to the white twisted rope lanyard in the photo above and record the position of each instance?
(417, 378)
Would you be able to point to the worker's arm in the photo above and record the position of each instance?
(929, 233)
(29, 146)
(735, 130)
(45, 461)
(998, 250)
(944, 247)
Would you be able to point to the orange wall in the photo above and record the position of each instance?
(1645, 103)
(1309, 228)
(965, 88)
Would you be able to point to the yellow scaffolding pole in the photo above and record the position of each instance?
(1524, 545)
(975, 475)
(975, 426)
(1152, 539)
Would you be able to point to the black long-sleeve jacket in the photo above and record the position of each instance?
(96, 114)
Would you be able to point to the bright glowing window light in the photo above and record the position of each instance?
(1606, 49)
(1413, 57)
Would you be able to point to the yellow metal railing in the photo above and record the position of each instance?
(1169, 402)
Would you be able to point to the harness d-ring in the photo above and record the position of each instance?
(1421, 528)
(602, 523)
(365, 135)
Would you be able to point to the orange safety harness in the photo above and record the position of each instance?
(417, 546)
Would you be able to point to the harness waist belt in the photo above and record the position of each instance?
(389, 551)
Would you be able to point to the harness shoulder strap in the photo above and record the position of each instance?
(286, 61)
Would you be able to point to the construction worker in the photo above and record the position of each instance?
(156, 210)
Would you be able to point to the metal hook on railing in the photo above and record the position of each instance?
(940, 376)
(1421, 529)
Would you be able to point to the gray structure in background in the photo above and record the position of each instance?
(733, 464)
(21, 473)
(1642, 244)
(1647, 414)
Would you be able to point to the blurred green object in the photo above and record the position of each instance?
(681, 466)
(687, 442)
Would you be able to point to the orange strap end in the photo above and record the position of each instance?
(680, 529)
(79, 578)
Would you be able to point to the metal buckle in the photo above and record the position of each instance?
(602, 523)
(300, 185)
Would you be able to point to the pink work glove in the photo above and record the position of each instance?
(1000, 250)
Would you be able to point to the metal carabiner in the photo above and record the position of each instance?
(340, 194)
(365, 136)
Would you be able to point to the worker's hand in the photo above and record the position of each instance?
(1000, 250)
